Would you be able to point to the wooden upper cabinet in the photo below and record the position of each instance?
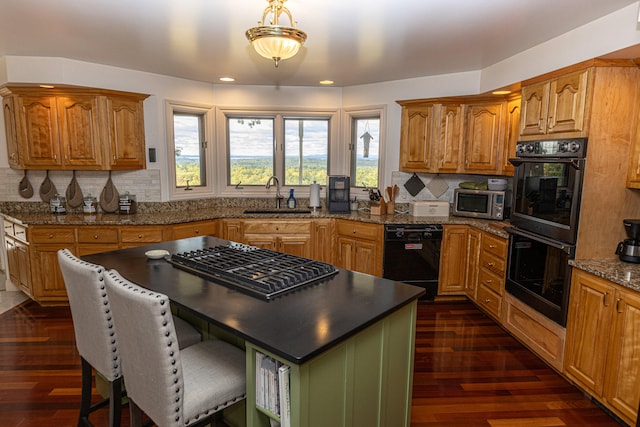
(450, 133)
(73, 128)
(126, 131)
(37, 130)
(511, 138)
(484, 133)
(558, 106)
(80, 132)
(416, 140)
(8, 110)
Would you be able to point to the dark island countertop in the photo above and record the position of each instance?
(296, 326)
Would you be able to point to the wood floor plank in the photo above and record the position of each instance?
(468, 372)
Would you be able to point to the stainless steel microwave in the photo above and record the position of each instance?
(487, 204)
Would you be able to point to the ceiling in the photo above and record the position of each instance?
(351, 42)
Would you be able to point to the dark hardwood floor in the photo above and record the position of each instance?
(468, 372)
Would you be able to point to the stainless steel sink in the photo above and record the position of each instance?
(277, 211)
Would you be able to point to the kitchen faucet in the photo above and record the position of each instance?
(278, 195)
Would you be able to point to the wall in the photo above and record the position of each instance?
(615, 31)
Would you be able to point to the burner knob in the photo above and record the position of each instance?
(574, 146)
(562, 147)
(520, 148)
(530, 148)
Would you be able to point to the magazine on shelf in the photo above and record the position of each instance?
(272, 387)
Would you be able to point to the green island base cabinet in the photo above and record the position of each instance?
(364, 381)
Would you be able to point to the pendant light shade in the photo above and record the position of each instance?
(275, 41)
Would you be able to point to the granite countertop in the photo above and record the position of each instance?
(170, 216)
(625, 274)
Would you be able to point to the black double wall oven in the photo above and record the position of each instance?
(544, 223)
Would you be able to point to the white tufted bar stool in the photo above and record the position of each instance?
(174, 387)
(95, 333)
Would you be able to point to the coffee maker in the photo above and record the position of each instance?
(338, 194)
(629, 250)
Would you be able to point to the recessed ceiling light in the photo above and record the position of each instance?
(227, 79)
(326, 82)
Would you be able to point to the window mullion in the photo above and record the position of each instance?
(279, 147)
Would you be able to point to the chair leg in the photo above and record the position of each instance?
(115, 402)
(85, 400)
(135, 414)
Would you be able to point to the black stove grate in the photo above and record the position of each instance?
(259, 272)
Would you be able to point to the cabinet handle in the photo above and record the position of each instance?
(95, 237)
(492, 246)
(51, 236)
(490, 264)
(488, 281)
(618, 309)
(487, 301)
(604, 299)
(139, 236)
(197, 231)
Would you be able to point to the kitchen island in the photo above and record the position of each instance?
(348, 339)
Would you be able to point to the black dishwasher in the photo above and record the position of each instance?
(412, 255)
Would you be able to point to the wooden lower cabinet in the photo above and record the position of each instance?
(92, 240)
(322, 238)
(362, 381)
(603, 341)
(359, 246)
(474, 242)
(193, 229)
(231, 229)
(453, 259)
(287, 236)
(138, 235)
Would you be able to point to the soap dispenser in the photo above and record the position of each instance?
(291, 201)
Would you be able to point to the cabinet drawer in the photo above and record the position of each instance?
(359, 230)
(8, 228)
(494, 245)
(52, 234)
(493, 263)
(491, 280)
(20, 232)
(184, 231)
(490, 301)
(97, 235)
(277, 227)
(141, 235)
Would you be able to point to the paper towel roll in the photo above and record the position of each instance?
(314, 195)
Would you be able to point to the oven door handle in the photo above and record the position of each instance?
(577, 164)
(564, 247)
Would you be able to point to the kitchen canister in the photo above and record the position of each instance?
(127, 204)
(57, 205)
(89, 205)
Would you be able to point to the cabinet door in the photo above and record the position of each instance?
(126, 133)
(483, 138)
(193, 229)
(588, 330)
(511, 138)
(453, 256)
(535, 101)
(567, 103)
(263, 241)
(345, 256)
(474, 242)
(11, 130)
(12, 260)
(231, 230)
(38, 131)
(323, 240)
(450, 138)
(366, 255)
(295, 245)
(79, 131)
(48, 281)
(622, 380)
(416, 140)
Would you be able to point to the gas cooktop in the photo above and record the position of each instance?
(262, 273)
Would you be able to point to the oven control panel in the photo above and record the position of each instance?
(572, 148)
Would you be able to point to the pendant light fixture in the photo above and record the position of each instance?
(275, 41)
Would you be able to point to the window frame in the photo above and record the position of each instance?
(345, 164)
(207, 113)
(278, 115)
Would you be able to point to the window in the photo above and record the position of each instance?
(294, 147)
(365, 145)
(189, 155)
